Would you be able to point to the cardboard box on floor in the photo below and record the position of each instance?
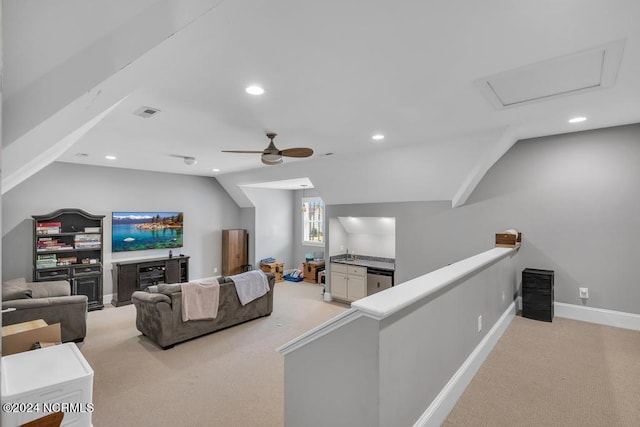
(23, 336)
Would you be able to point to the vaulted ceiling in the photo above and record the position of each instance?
(334, 74)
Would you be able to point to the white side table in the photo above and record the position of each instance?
(48, 379)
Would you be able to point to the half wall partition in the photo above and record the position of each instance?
(405, 355)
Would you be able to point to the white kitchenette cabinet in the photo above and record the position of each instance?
(348, 282)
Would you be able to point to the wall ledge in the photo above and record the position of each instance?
(320, 330)
(384, 304)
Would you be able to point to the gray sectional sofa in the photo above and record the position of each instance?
(50, 301)
(159, 314)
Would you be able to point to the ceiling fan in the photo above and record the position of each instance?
(272, 155)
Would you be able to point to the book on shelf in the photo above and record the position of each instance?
(54, 248)
(67, 260)
(93, 246)
(40, 265)
(50, 224)
(52, 230)
(46, 261)
(48, 243)
(92, 229)
(87, 238)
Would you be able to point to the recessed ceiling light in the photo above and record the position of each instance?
(377, 137)
(254, 90)
(577, 119)
(110, 157)
(216, 170)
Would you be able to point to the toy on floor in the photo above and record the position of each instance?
(295, 276)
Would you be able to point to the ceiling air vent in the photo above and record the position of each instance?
(579, 72)
(146, 112)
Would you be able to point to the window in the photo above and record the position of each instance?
(313, 221)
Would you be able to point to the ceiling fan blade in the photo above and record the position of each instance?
(242, 151)
(296, 152)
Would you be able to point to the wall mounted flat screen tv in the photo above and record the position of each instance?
(139, 231)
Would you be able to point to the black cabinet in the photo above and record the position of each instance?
(537, 294)
(67, 245)
(138, 275)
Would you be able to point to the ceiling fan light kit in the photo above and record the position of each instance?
(272, 156)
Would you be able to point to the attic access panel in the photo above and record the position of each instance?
(579, 72)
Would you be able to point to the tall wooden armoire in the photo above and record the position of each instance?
(234, 251)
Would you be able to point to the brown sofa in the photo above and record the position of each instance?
(159, 314)
(50, 301)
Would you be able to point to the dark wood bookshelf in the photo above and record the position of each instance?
(80, 266)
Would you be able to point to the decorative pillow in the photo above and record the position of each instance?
(153, 289)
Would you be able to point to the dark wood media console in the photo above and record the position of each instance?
(138, 275)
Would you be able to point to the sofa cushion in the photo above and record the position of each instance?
(169, 288)
(58, 288)
(15, 289)
(172, 288)
(12, 293)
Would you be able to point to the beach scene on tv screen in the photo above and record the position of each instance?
(138, 231)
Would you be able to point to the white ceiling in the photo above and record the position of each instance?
(334, 72)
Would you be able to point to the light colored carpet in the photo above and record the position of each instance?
(564, 373)
(229, 378)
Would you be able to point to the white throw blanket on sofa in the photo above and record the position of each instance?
(200, 299)
(250, 285)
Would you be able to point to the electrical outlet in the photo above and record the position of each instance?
(215, 269)
(584, 293)
(479, 323)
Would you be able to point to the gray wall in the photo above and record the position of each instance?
(423, 346)
(575, 198)
(99, 190)
(422, 231)
(333, 381)
(273, 230)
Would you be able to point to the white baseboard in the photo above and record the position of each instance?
(106, 299)
(444, 402)
(601, 316)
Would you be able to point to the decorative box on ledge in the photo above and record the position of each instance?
(509, 239)
(276, 268)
